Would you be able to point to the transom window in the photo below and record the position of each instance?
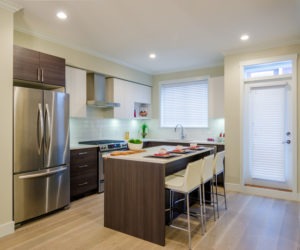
(184, 103)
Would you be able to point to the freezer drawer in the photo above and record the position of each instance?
(40, 192)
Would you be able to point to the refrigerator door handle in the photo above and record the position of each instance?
(48, 128)
(40, 128)
(46, 173)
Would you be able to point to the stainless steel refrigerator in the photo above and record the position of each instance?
(41, 152)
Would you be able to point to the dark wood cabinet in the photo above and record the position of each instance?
(26, 64)
(84, 171)
(33, 66)
(52, 69)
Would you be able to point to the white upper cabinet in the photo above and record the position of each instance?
(76, 87)
(127, 94)
(216, 97)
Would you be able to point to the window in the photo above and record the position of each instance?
(184, 103)
(268, 69)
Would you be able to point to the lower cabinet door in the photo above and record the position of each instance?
(83, 184)
(37, 193)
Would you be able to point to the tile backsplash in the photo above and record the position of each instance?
(99, 128)
(82, 129)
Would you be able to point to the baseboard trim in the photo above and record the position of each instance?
(270, 193)
(7, 228)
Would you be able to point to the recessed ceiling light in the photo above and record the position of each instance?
(244, 37)
(61, 15)
(152, 56)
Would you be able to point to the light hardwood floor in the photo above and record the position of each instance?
(249, 223)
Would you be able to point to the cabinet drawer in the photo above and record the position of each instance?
(81, 156)
(82, 184)
(87, 168)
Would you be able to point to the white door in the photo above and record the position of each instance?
(269, 134)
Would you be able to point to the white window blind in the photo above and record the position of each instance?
(184, 103)
(266, 133)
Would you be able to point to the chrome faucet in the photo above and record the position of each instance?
(182, 136)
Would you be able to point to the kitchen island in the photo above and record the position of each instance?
(135, 197)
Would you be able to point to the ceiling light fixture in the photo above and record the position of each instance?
(152, 56)
(244, 37)
(61, 15)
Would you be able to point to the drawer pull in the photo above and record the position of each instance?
(83, 166)
(83, 184)
(82, 153)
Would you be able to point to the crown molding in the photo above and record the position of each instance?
(197, 67)
(264, 46)
(10, 6)
(79, 48)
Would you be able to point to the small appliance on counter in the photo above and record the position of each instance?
(105, 146)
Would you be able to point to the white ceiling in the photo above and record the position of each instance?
(185, 34)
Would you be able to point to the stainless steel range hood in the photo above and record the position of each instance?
(97, 92)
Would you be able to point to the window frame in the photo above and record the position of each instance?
(179, 82)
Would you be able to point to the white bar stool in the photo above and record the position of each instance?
(185, 185)
(218, 168)
(206, 175)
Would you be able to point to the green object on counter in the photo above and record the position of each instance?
(144, 127)
(135, 141)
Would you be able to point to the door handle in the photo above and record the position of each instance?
(42, 74)
(38, 74)
(83, 166)
(287, 142)
(82, 153)
(40, 128)
(48, 128)
(29, 176)
(83, 184)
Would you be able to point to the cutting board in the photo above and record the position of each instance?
(127, 152)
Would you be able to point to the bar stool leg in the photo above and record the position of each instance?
(201, 212)
(216, 178)
(188, 217)
(224, 190)
(213, 197)
(204, 208)
(171, 208)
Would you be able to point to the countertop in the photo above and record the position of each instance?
(154, 150)
(81, 146)
(185, 141)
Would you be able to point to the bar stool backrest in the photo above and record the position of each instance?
(206, 171)
(218, 165)
(192, 175)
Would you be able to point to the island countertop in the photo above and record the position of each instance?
(135, 197)
(146, 156)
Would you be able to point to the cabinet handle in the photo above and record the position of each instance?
(83, 184)
(38, 73)
(83, 166)
(82, 153)
(42, 75)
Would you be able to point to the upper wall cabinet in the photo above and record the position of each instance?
(216, 97)
(33, 66)
(130, 96)
(76, 87)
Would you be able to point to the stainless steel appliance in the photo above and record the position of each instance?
(105, 146)
(41, 152)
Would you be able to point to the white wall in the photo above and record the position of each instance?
(232, 107)
(6, 113)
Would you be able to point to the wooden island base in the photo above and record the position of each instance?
(134, 197)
